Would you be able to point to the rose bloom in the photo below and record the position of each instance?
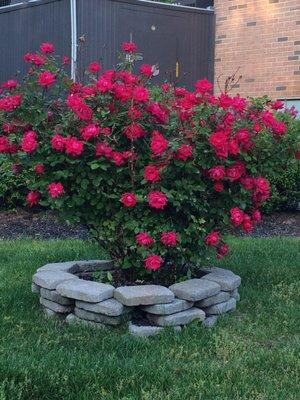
(144, 239)
(89, 131)
(134, 113)
(219, 186)
(129, 47)
(39, 169)
(74, 146)
(33, 197)
(94, 67)
(47, 48)
(153, 262)
(4, 144)
(165, 87)
(157, 199)
(55, 189)
(247, 224)
(219, 142)
(235, 171)
(256, 215)
(243, 136)
(106, 131)
(129, 199)
(152, 173)
(237, 216)
(133, 131)
(212, 239)
(203, 86)
(46, 78)
(29, 142)
(169, 238)
(58, 142)
(158, 111)
(158, 143)
(117, 158)
(66, 60)
(217, 172)
(9, 103)
(146, 69)
(233, 147)
(8, 127)
(184, 152)
(103, 149)
(10, 84)
(140, 94)
(223, 249)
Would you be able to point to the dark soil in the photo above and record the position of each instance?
(45, 225)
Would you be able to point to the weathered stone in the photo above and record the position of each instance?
(227, 280)
(181, 318)
(195, 289)
(71, 319)
(235, 294)
(52, 314)
(58, 308)
(144, 331)
(79, 266)
(211, 321)
(110, 307)
(89, 291)
(177, 305)
(35, 288)
(221, 308)
(217, 298)
(53, 295)
(61, 266)
(95, 317)
(143, 295)
(51, 279)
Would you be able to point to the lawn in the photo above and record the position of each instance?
(252, 354)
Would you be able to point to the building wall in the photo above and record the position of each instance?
(262, 39)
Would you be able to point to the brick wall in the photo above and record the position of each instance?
(262, 39)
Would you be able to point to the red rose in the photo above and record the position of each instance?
(219, 142)
(239, 103)
(144, 239)
(133, 131)
(223, 249)
(243, 136)
(129, 199)
(169, 238)
(184, 152)
(74, 146)
(47, 48)
(157, 199)
(29, 142)
(158, 143)
(153, 262)
(10, 84)
(46, 78)
(247, 182)
(152, 173)
(104, 84)
(247, 224)
(219, 186)
(103, 149)
(117, 158)
(212, 239)
(165, 87)
(134, 113)
(203, 86)
(217, 172)
(140, 93)
(129, 47)
(35, 59)
(233, 147)
(8, 127)
(58, 142)
(256, 215)
(121, 92)
(33, 197)
(235, 171)
(146, 69)
(89, 131)
(159, 112)
(237, 216)
(225, 101)
(9, 103)
(262, 189)
(66, 60)
(39, 169)
(297, 155)
(4, 144)
(94, 67)
(55, 189)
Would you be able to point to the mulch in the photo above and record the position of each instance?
(45, 225)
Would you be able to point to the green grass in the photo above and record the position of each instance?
(252, 354)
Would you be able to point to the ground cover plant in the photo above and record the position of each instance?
(251, 355)
(158, 174)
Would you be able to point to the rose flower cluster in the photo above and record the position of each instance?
(159, 175)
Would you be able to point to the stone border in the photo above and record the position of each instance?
(66, 296)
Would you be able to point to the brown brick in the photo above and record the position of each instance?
(251, 23)
(282, 39)
(297, 72)
(273, 1)
(292, 58)
(297, 43)
(280, 88)
(232, 8)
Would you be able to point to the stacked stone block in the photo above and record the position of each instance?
(64, 295)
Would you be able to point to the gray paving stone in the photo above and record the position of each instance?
(177, 305)
(143, 295)
(79, 266)
(217, 298)
(104, 319)
(221, 308)
(71, 319)
(35, 288)
(195, 289)
(110, 307)
(52, 314)
(181, 318)
(51, 279)
(53, 295)
(89, 291)
(235, 294)
(143, 331)
(227, 280)
(60, 266)
(211, 321)
(58, 308)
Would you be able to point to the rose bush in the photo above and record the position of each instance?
(158, 174)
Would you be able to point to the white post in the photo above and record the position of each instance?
(73, 39)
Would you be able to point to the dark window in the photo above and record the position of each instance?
(5, 3)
